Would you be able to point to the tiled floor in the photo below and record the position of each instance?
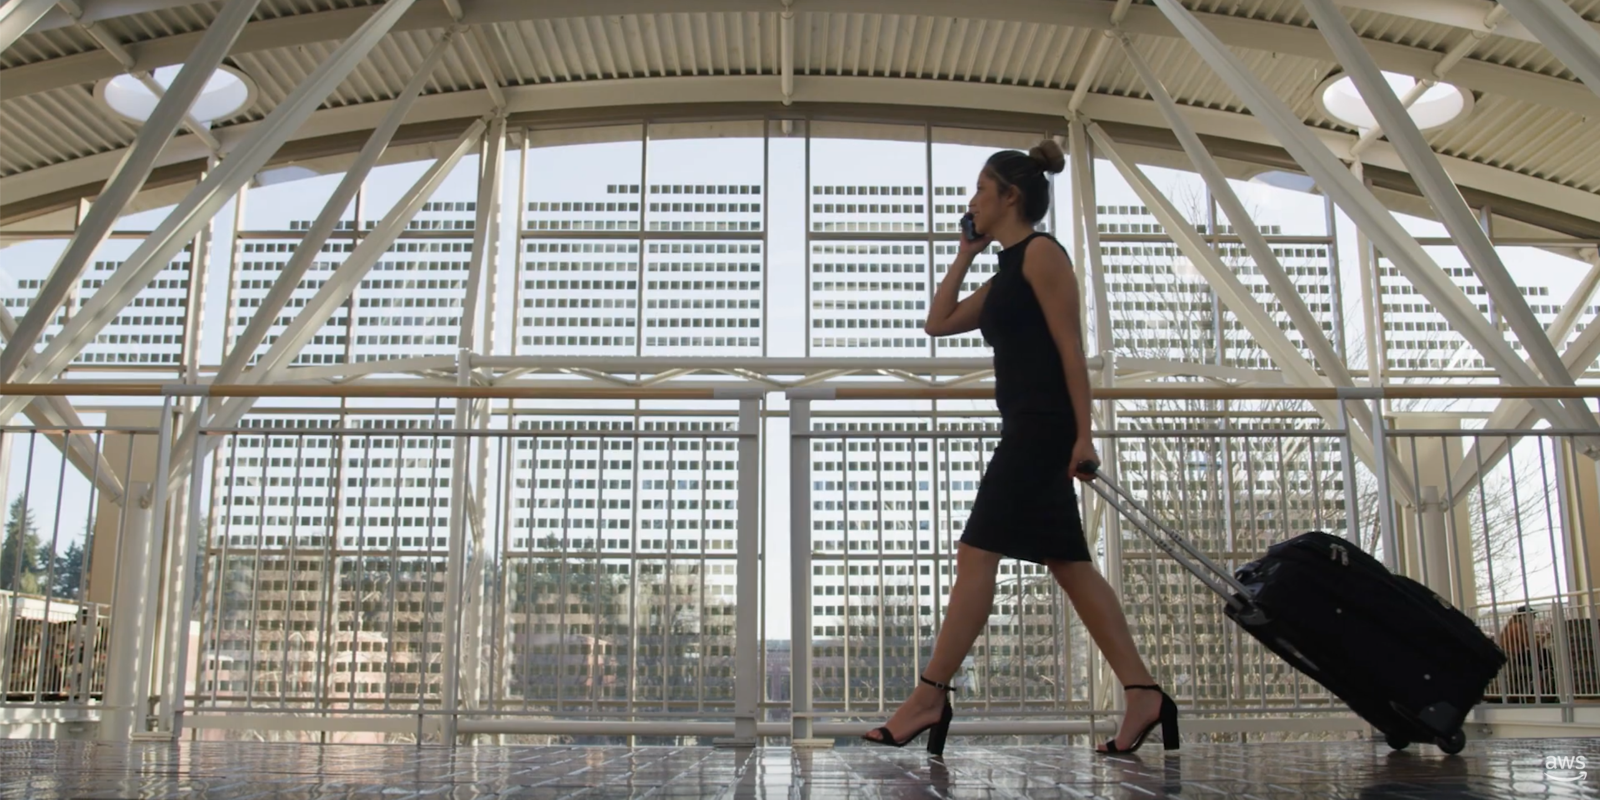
(237, 771)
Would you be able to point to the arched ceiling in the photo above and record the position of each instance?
(1531, 144)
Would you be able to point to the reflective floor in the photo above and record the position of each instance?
(238, 770)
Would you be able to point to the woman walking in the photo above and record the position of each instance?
(1026, 506)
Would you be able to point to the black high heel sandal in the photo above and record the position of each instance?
(939, 730)
(1168, 721)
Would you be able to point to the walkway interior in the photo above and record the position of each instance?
(238, 770)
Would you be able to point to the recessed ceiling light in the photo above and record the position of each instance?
(226, 92)
(1439, 105)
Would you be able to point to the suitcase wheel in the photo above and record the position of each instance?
(1454, 743)
(1396, 742)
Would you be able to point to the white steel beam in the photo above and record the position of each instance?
(112, 46)
(125, 182)
(1364, 209)
(1097, 58)
(1509, 414)
(327, 222)
(479, 55)
(207, 198)
(1558, 27)
(786, 52)
(1261, 253)
(1252, 34)
(18, 16)
(339, 285)
(1237, 297)
(1452, 209)
(485, 239)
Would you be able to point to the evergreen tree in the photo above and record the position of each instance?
(21, 545)
(68, 576)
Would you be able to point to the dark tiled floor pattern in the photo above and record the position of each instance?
(241, 771)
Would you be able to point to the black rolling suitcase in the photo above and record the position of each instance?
(1397, 654)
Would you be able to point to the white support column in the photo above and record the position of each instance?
(1237, 297)
(338, 286)
(1573, 39)
(206, 199)
(164, 536)
(1361, 205)
(1447, 201)
(180, 609)
(748, 678)
(18, 16)
(128, 617)
(327, 222)
(125, 182)
(800, 568)
(455, 558)
(1434, 545)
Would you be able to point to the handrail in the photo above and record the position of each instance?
(387, 390)
(515, 392)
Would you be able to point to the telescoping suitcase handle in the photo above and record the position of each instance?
(1172, 543)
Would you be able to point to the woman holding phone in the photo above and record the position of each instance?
(1026, 506)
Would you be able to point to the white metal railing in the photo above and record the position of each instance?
(589, 575)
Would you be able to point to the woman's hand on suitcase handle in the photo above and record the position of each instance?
(1084, 461)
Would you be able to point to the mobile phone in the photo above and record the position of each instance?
(968, 230)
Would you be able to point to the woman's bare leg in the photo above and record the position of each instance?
(971, 599)
(1097, 605)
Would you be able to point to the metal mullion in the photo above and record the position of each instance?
(1563, 646)
(1522, 555)
(16, 573)
(666, 611)
(988, 643)
(255, 589)
(358, 603)
(844, 569)
(519, 236)
(700, 668)
(50, 569)
(766, 242)
(1316, 481)
(503, 523)
(1255, 528)
(562, 583)
(932, 260)
(527, 569)
(877, 445)
(916, 560)
(332, 569)
(289, 567)
(221, 560)
(594, 582)
(434, 446)
(633, 574)
(809, 238)
(644, 192)
(1483, 506)
(394, 570)
(1283, 499)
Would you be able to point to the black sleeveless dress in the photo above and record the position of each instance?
(1027, 506)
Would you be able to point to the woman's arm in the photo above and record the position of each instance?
(1049, 272)
(946, 316)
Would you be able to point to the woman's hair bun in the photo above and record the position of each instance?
(1049, 155)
